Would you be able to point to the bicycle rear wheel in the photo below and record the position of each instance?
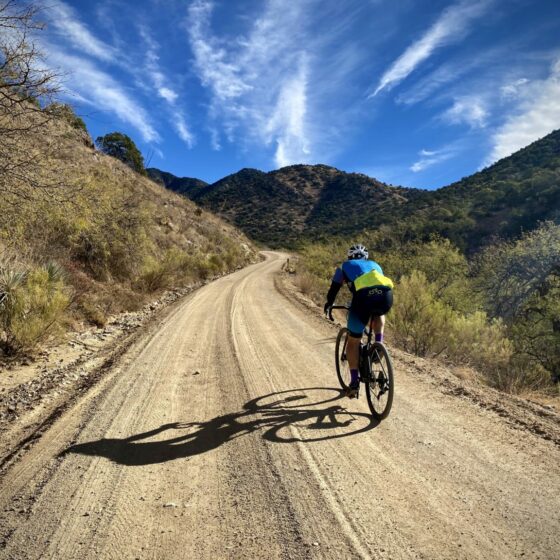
(342, 367)
(380, 387)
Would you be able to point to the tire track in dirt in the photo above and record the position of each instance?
(221, 434)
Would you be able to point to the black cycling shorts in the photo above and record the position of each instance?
(367, 303)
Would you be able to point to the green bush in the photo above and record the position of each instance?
(33, 306)
(419, 320)
(163, 274)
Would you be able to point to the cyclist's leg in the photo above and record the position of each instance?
(378, 323)
(381, 305)
(355, 329)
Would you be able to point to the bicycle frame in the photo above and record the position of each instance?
(375, 367)
(365, 349)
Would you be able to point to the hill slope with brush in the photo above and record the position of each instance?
(99, 243)
(310, 202)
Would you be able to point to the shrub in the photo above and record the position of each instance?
(420, 321)
(33, 306)
(163, 274)
(307, 283)
(121, 146)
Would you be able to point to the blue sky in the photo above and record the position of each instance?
(412, 92)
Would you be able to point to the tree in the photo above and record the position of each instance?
(26, 88)
(121, 146)
(511, 273)
(521, 281)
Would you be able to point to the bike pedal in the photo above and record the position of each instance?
(352, 393)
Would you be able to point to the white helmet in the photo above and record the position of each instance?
(357, 252)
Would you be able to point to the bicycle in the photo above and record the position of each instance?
(375, 367)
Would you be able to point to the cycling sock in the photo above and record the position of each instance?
(378, 337)
(355, 376)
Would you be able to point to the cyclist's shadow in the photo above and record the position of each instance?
(282, 416)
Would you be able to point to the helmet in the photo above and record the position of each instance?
(357, 252)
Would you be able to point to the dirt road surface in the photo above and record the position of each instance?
(221, 434)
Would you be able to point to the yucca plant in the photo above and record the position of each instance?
(33, 302)
(11, 280)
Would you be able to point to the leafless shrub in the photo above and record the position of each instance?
(27, 88)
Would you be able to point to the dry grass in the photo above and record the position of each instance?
(117, 235)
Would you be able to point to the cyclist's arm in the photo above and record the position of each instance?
(336, 284)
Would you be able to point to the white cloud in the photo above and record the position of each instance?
(287, 124)
(512, 89)
(163, 89)
(99, 89)
(537, 115)
(451, 26)
(168, 94)
(182, 129)
(468, 110)
(215, 139)
(258, 81)
(153, 70)
(63, 18)
(215, 71)
(432, 157)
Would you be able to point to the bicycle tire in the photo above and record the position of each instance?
(342, 367)
(381, 383)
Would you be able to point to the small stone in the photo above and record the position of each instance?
(170, 505)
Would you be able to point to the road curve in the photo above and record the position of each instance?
(221, 434)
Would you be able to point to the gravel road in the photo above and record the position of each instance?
(221, 434)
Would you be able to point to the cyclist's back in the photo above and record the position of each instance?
(372, 296)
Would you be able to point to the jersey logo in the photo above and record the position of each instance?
(375, 292)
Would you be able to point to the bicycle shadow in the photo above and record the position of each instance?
(282, 416)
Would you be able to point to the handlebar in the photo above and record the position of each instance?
(336, 307)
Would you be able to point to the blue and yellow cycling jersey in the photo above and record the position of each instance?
(359, 273)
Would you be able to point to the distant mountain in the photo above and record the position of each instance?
(181, 185)
(303, 202)
(281, 207)
(510, 196)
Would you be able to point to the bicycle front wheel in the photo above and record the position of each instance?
(341, 360)
(380, 387)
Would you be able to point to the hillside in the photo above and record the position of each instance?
(104, 240)
(280, 207)
(312, 202)
(509, 197)
(181, 185)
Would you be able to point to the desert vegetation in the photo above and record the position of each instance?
(496, 311)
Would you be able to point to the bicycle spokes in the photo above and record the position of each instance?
(380, 387)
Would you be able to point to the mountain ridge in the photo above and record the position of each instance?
(302, 202)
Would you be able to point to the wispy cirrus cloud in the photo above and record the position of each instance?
(82, 58)
(211, 60)
(286, 126)
(67, 24)
(258, 80)
(451, 26)
(429, 158)
(512, 89)
(91, 85)
(470, 110)
(537, 114)
(164, 89)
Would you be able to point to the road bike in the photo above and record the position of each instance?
(375, 367)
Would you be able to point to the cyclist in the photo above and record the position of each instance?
(372, 295)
